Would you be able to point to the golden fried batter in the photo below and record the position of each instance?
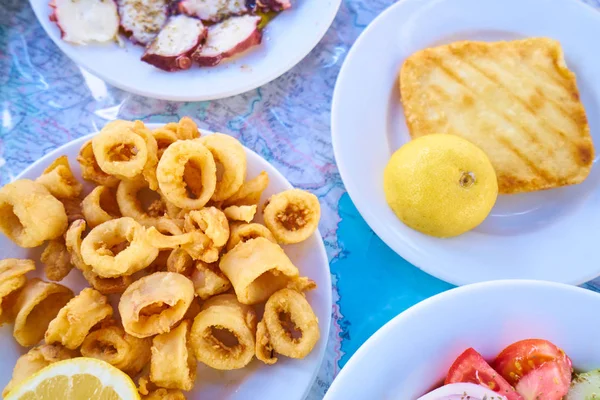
(56, 260)
(12, 278)
(155, 303)
(292, 216)
(59, 179)
(173, 365)
(223, 334)
(38, 303)
(209, 280)
(250, 192)
(75, 320)
(113, 345)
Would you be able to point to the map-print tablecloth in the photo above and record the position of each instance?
(46, 101)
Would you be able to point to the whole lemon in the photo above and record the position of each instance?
(440, 184)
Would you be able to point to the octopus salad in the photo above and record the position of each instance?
(175, 33)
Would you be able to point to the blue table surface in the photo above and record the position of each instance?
(46, 101)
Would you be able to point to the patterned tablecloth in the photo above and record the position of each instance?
(46, 101)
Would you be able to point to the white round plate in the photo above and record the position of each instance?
(292, 377)
(548, 235)
(412, 353)
(287, 39)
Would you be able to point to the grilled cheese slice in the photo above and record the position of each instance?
(516, 100)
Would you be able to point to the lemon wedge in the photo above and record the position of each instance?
(77, 379)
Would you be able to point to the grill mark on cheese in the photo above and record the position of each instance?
(580, 151)
(552, 143)
(577, 116)
(537, 171)
(542, 78)
(539, 89)
(517, 98)
(532, 136)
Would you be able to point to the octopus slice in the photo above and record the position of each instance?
(171, 50)
(228, 38)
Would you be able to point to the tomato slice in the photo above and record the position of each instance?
(547, 382)
(470, 367)
(520, 358)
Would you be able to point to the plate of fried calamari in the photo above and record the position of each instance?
(177, 256)
(190, 50)
(475, 129)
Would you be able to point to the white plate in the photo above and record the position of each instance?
(413, 352)
(292, 377)
(549, 235)
(287, 39)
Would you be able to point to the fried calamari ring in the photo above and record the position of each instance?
(38, 303)
(100, 248)
(230, 154)
(119, 150)
(180, 261)
(34, 360)
(29, 214)
(73, 244)
(59, 179)
(209, 280)
(103, 285)
(292, 216)
(149, 171)
(100, 206)
(257, 268)
(164, 138)
(75, 320)
(250, 192)
(240, 213)
(12, 278)
(244, 232)
(155, 303)
(90, 170)
(113, 345)
(264, 348)
(223, 333)
(131, 206)
(187, 174)
(173, 365)
(292, 326)
(56, 260)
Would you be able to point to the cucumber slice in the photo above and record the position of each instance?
(585, 386)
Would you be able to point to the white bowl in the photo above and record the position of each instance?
(292, 377)
(547, 235)
(287, 39)
(412, 353)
